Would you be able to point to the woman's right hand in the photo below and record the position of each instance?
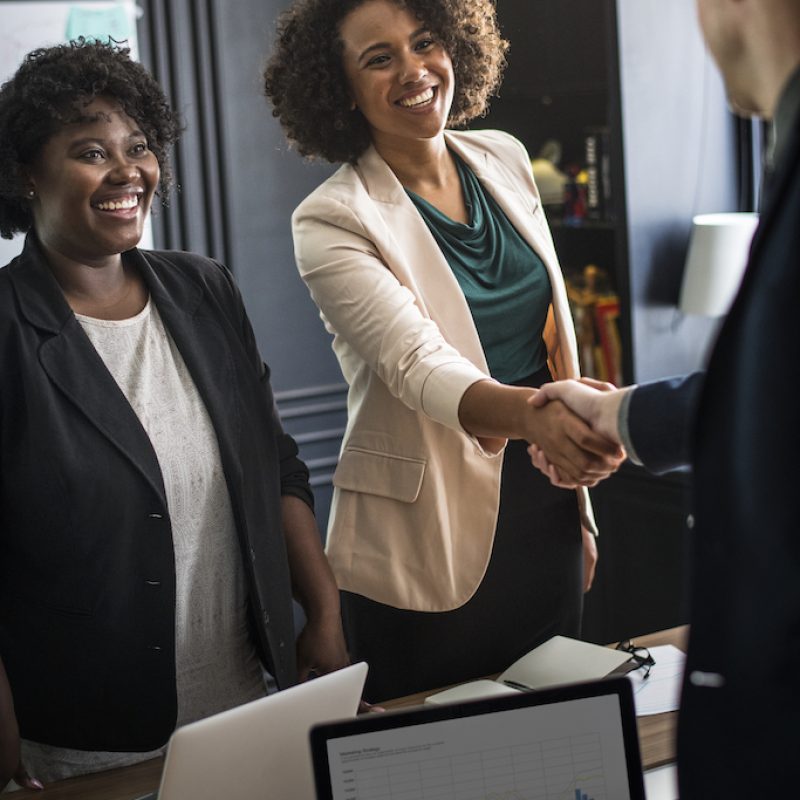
(579, 455)
(11, 765)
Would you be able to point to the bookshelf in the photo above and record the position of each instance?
(576, 66)
(638, 70)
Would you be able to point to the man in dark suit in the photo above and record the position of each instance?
(739, 429)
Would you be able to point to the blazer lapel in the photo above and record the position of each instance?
(204, 348)
(74, 366)
(411, 252)
(781, 180)
(520, 208)
(774, 203)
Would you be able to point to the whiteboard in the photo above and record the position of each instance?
(24, 26)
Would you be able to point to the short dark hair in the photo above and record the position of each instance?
(305, 81)
(49, 90)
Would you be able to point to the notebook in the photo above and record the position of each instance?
(259, 749)
(572, 742)
(559, 660)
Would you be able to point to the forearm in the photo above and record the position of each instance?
(320, 647)
(494, 410)
(491, 409)
(313, 584)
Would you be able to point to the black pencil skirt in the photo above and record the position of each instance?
(532, 590)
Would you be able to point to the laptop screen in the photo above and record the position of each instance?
(576, 742)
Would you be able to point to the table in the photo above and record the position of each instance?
(656, 740)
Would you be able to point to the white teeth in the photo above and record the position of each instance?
(417, 100)
(119, 205)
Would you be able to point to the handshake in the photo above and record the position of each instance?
(594, 449)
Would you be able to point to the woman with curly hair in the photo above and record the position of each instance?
(154, 517)
(430, 259)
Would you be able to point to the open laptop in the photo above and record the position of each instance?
(572, 742)
(258, 751)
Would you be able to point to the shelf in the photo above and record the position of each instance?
(585, 225)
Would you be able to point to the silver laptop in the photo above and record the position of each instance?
(258, 751)
(572, 742)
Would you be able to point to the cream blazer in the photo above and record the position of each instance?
(415, 497)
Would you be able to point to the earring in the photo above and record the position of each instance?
(30, 194)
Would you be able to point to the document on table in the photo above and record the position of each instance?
(660, 691)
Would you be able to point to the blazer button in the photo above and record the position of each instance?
(690, 521)
(156, 516)
(153, 583)
(706, 680)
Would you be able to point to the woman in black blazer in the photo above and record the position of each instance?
(154, 517)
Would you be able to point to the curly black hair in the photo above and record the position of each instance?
(305, 81)
(50, 89)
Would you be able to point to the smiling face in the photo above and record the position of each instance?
(93, 184)
(400, 77)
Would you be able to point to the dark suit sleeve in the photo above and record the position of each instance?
(661, 419)
(294, 472)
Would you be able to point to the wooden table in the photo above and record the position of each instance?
(657, 732)
(656, 739)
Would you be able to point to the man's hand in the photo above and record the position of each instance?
(580, 455)
(594, 401)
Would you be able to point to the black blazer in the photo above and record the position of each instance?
(739, 729)
(87, 577)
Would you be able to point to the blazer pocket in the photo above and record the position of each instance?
(381, 474)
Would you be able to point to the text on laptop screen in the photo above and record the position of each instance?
(572, 750)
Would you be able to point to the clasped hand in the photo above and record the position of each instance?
(575, 445)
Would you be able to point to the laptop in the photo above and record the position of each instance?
(259, 750)
(572, 742)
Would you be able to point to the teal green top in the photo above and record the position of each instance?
(505, 283)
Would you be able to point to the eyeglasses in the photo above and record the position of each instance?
(639, 655)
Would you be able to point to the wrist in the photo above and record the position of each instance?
(489, 409)
(608, 415)
(526, 418)
(539, 422)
